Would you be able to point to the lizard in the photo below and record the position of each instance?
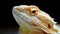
(33, 20)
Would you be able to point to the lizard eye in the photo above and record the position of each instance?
(34, 11)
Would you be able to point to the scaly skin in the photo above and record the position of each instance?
(32, 20)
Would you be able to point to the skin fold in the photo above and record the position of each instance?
(32, 20)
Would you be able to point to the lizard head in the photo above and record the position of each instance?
(32, 15)
(28, 13)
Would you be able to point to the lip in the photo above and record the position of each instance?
(19, 9)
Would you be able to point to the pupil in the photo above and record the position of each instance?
(34, 11)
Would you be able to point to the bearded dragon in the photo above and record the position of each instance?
(32, 20)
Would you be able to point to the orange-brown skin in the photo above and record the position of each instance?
(30, 9)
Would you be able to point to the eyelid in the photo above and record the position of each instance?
(30, 9)
(33, 9)
(33, 14)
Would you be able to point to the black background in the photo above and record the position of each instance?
(7, 20)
